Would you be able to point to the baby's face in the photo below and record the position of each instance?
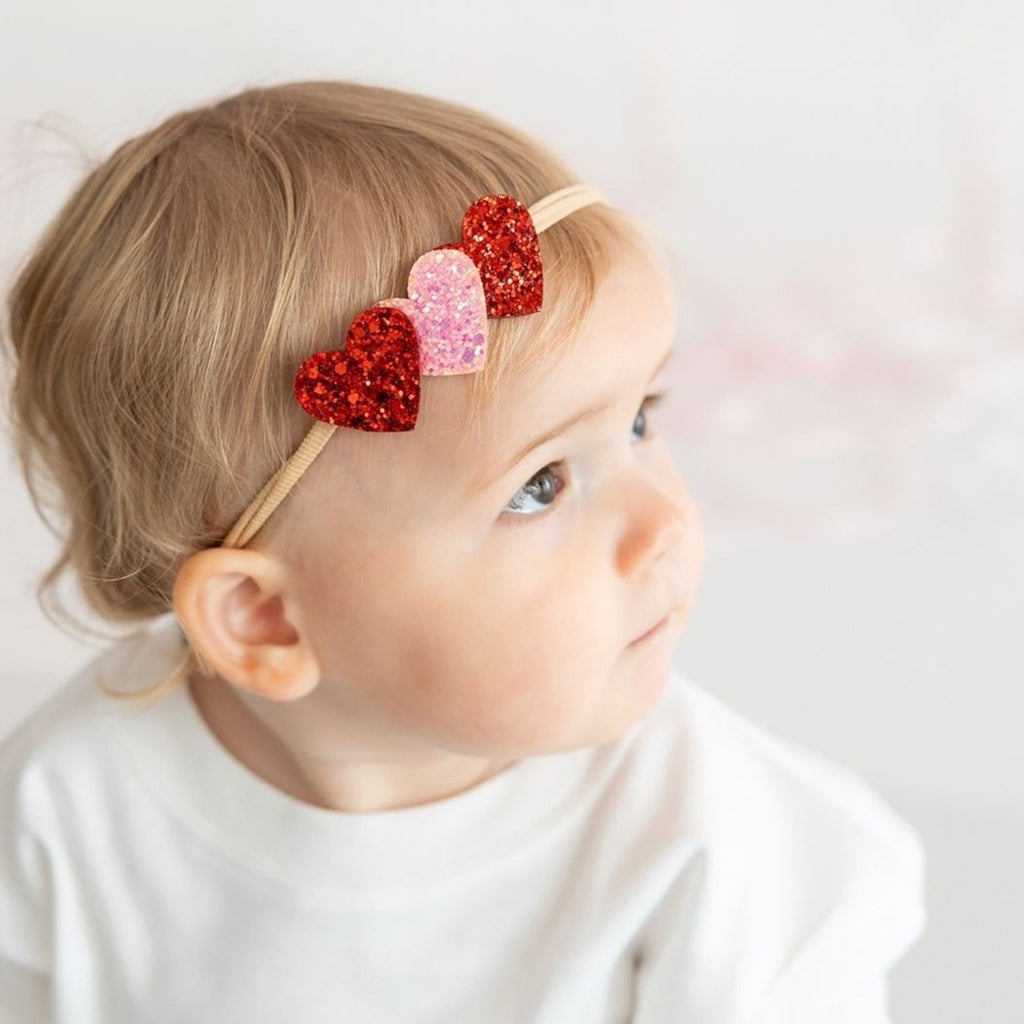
(463, 598)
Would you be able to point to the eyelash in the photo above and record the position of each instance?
(649, 403)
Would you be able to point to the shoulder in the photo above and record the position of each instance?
(807, 877)
(57, 752)
(59, 785)
(836, 831)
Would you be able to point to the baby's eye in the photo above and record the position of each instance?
(543, 488)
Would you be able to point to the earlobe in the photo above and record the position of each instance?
(233, 606)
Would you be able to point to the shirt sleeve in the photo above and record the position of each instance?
(25, 903)
(869, 1005)
(24, 994)
(784, 943)
(841, 974)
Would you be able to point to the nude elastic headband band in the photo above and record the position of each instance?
(373, 382)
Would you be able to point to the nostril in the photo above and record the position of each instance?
(656, 528)
(672, 534)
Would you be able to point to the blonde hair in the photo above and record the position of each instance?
(157, 327)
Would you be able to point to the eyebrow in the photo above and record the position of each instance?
(564, 427)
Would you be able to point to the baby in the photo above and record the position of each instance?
(348, 395)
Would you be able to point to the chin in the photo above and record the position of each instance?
(645, 691)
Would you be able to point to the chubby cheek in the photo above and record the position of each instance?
(509, 664)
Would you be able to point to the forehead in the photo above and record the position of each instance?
(629, 326)
(394, 479)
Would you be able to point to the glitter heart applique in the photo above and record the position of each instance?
(447, 307)
(371, 384)
(499, 236)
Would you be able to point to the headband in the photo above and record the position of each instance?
(373, 382)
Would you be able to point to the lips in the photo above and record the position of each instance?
(656, 628)
(675, 591)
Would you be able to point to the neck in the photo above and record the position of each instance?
(272, 740)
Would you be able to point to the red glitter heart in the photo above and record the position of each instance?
(499, 237)
(371, 384)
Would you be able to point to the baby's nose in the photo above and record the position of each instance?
(655, 524)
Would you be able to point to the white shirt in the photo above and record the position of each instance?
(695, 870)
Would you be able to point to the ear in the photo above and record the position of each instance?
(233, 607)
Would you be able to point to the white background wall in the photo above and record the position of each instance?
(844, 185)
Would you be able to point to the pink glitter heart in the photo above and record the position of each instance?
(447, 307)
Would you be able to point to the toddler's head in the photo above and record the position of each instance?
(485, 582)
